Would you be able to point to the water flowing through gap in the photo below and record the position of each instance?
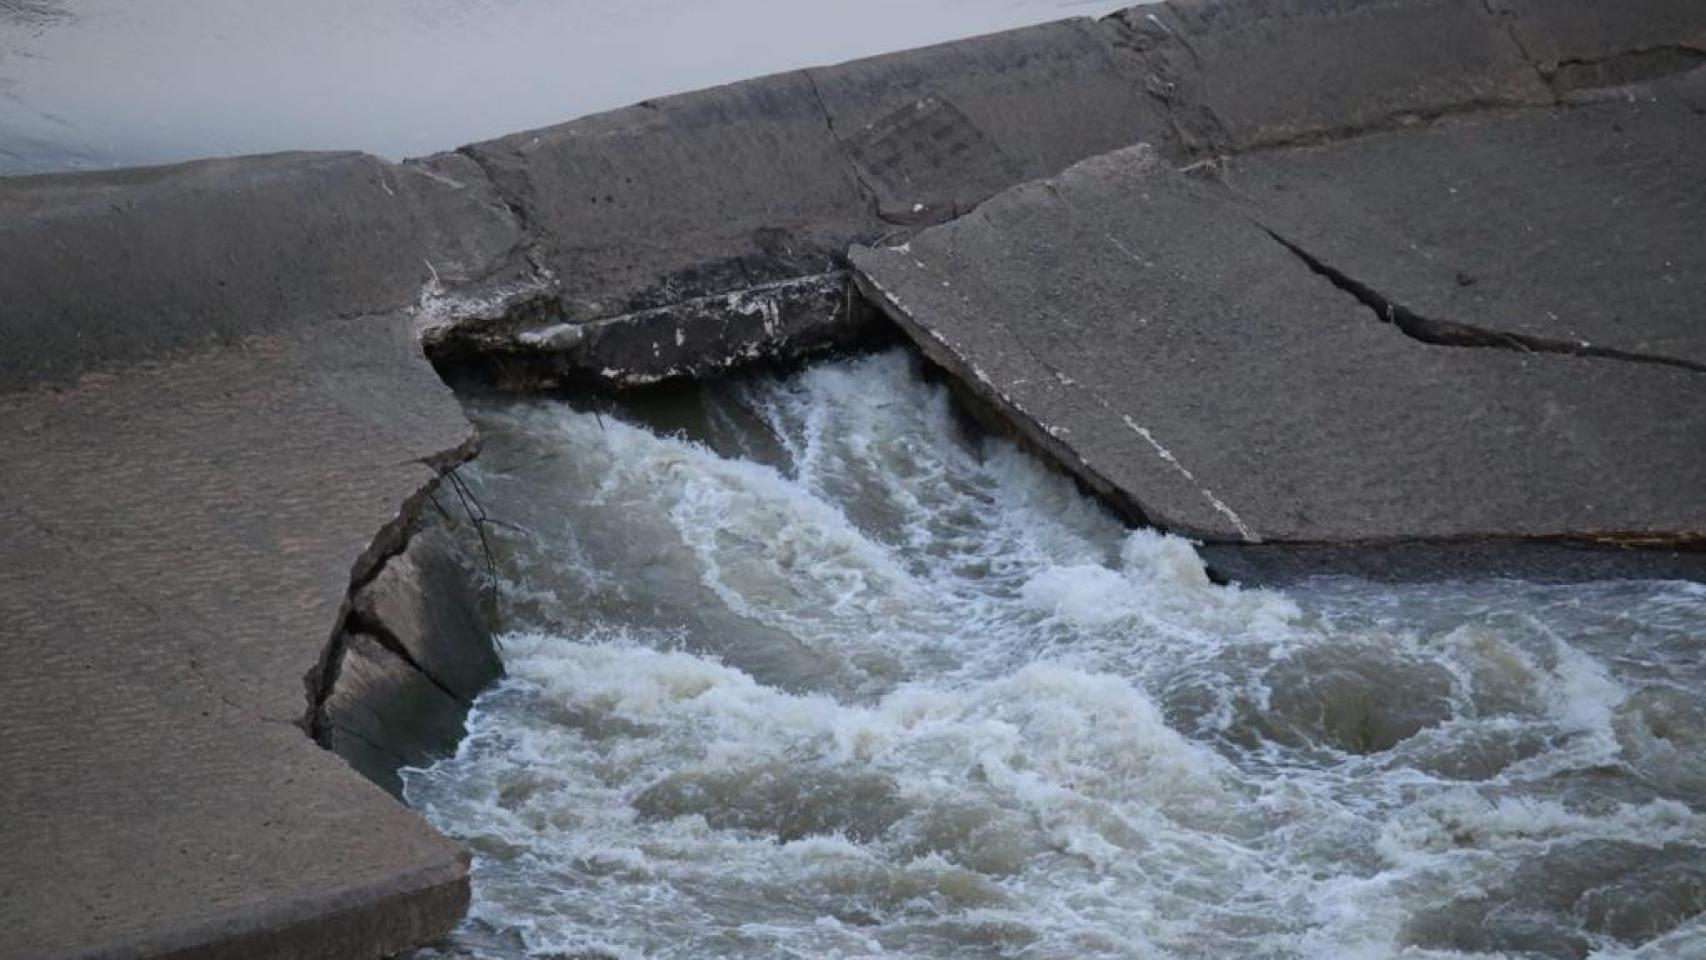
(807, 667)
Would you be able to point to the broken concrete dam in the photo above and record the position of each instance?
(1406, 290)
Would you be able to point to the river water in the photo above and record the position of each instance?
(808, 667)
(104, 83)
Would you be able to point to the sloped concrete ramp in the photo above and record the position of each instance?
(213, 416)
(1149, 331)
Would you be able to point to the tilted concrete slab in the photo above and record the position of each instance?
(214, 419)
(1577, 229)
(1146, 332)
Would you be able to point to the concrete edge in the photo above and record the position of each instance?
(993, 410)
(378, 919)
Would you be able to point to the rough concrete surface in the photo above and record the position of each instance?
(1589, 42)
(679, 220)
(1239, 74)
(417, 649)
(219, 422)
(1148, 333)
(425, 603)
(1571, 230)
(936, 131)
(99, 272)
(730, 210)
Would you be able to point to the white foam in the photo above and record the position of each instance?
(907, 692)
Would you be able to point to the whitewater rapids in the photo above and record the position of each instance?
(806, 667)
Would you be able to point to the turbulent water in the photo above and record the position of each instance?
(807, 668)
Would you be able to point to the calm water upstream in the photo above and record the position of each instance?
(805, 667)
(103, 83)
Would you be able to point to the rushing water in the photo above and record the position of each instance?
(808, 668)
(100, 83)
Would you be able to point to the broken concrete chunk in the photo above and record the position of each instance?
(384, 713)
(424, 602)
(1239, 75)
(1154, 339)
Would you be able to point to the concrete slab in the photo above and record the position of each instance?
(1238, 75)
(934, 132)
(100, 272)
(202, 454)
(1151, 337)
(1577, 43)
(693, 234)
(1571, 230)
(182, 539)
(684, 196)
(711, 227)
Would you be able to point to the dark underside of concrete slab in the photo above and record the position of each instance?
(1386, 269)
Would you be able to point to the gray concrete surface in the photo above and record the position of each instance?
(214, 418)
(1571, 230)
(730, 210)
(677, 223)
(415, 651)
(1577, 43)
(1238, 75)
(1147, 332)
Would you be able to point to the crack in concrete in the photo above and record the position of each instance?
(387, 638)
(1619, 69)
(516, 208)
(865, 188)
(389, 542)
(1507, 25)
(1450, 333)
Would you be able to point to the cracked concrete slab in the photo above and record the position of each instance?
(693, 215)
(1569, 230)
(1145, 332)
(685, 196)
(683, 218)
(1238, 75)
(936, 131)
(424, 601)
(221, 421)
(1586, 42)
